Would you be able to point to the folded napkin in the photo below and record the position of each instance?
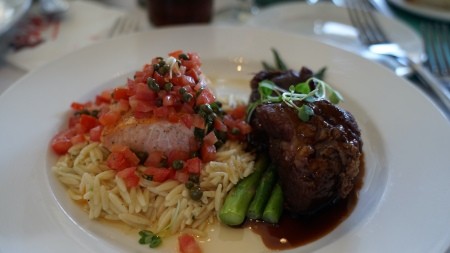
(85, 22)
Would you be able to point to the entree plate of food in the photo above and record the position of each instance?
(435, 9)
(331, 24)
(149, 143)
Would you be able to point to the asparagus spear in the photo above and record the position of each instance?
(237, 201)
(262, 194)
(272, 211)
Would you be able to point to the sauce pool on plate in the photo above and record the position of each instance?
(292, 232)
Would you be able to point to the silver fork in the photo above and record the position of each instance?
(437, 41)
(372, 35)
(125, 24)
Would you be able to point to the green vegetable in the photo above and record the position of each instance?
(196, 193)
(262, 195)
(142, 155)
(168, 86)
(274, 208)
(187, 97)
(148, 237)
(296, 93)
(177, 164)
(279, 63)
(183, 57)
(236, 203)
(152, 85)
(320, 73)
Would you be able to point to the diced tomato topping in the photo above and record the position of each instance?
(210, 139)
(239, 112)
(193, 62)
(121, 157)
(104, 97)
(205, 97)
(243, 127)
(121, 93)
(109, 118)
(173, 117)
(122, 105)
(88, 122)
(193, 165)
(198, 121)
(61, 143)
(208, 153)
(192, 73)
(161, 112)
(79, 138)
(175, 98)
(181, 176)
(77, 106)
(187, 119)
(73, 121)
(194, 144)
(188, 244)
(168, 100)
(159, 174)
(95, 133)
(140, 105)
(140, 77)
(129, 176)
(186, 108)
(219, 125)
(159, 78)
(176, 53)
(177, 155)
(182, 80)
(144, 93)
(155, 159)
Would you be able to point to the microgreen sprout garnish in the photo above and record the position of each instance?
(148, 237)
(270, 93)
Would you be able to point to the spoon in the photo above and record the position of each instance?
(54, 7)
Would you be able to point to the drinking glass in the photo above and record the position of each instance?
(238, 12)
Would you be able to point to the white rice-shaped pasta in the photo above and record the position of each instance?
(161, 207)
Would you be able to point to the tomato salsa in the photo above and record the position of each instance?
(171, 89)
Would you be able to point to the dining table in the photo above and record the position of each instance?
(398, 143)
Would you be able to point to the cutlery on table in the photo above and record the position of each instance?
(372, 35)
(437, 47)
(125, 24)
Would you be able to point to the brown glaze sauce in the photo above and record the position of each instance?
(292, 232)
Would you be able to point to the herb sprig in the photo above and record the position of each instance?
(271, 93)
(148, 237)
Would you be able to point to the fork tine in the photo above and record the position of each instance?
(443, 36)
(125, 24)
(437, 47)
(361, 16)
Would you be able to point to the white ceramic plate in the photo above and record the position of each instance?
(331, 24)
(403, 204)
(423, 10)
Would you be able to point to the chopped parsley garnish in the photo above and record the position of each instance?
(148, 237)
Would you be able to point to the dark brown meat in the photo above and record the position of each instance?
(318, 160)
